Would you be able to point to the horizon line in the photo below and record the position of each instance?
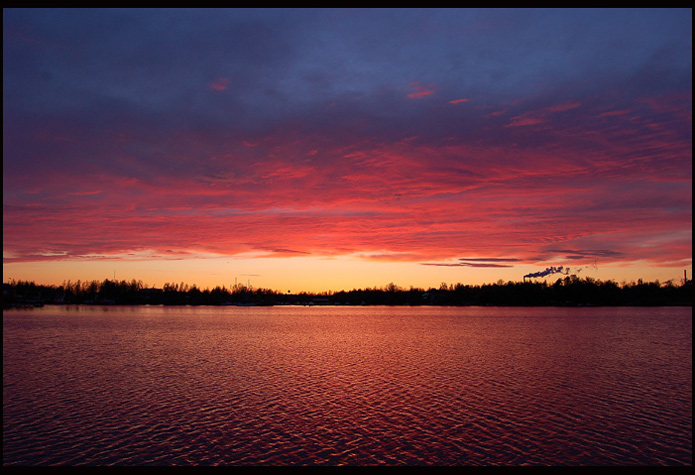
(390, 286)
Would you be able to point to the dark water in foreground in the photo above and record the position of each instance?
(345, 385)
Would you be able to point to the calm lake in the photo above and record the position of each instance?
(347, 385)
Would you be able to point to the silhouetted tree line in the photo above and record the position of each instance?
(567, 291)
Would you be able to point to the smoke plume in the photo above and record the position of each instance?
(549, 271)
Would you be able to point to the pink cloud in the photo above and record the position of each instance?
(562, 107)
(220, 84)
(86, 193)
(420, 94)
(540, 116)
(458, 101)
(526, 119)
(614, 113)
(421, 90)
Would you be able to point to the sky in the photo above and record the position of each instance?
(335, 149)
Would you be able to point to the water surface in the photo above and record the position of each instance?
(347, 385)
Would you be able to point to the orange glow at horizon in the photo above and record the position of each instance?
(314, 274)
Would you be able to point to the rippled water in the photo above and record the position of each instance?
(345, 385)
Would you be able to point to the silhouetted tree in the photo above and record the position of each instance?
(569, 290)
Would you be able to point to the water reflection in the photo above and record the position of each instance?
(373, 385)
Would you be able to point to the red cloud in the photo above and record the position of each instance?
(592, 186)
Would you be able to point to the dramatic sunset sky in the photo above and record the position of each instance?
(337, 149)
